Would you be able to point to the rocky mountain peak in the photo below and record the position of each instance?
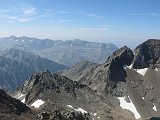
(115, 69)
(117, 61)
(35, 79)
(123, 56)
(105, 77)
(147, 55)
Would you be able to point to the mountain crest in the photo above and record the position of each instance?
(147, 55)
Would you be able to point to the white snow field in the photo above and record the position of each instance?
(79, 109)
(142, 71)
(129, 106)
(37, 103)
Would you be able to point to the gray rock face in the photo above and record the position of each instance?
(10, 105)
(16, 66)
(144, 92)
(114, 79)
(155, 118)
(118, 60)
(147, 55)
(13, 109)
(105, 77)
(123, 56)
(63, 52)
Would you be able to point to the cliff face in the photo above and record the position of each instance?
(105, 77)
(13, 109)
(147, 55)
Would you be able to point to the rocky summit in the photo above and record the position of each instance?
(106, 76)
(147, 55)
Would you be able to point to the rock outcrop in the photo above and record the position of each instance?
(117, 63)
(10, 105)
(13, 109)
(63, 115)
(147, 55)
(105, 77)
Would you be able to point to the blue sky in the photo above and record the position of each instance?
(122, 21)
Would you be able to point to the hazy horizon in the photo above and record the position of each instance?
(118, 43)
(122, 22)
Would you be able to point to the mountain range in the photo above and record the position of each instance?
(124, 87)
(63, 52)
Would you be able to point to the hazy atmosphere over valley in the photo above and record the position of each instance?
(79, 60)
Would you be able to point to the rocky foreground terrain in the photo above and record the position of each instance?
(114, 90)
(14, 109)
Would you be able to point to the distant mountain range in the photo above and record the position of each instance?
(16, 66)
(63, 52)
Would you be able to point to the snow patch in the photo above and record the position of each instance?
(154, 107)
(142, 71)
(23, 101)
(79, 109)
(20, 96)
(143, 98)
(70, 106)
(129, 106)
(37, 103)
(156, 69)
(94, 114)
(130, 66)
